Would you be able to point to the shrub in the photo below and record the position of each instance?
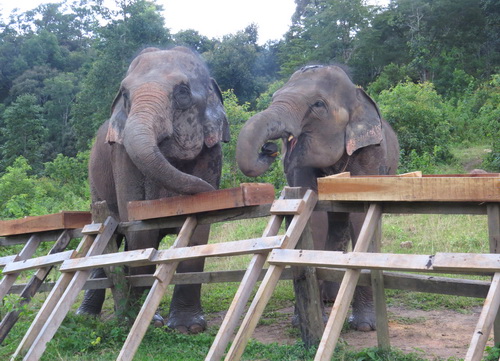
(476, 116)
(419, 117)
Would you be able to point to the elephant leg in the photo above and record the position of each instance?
(363, 311)
(141, 240)
(186, 314)
(336, 240)
(93, 299)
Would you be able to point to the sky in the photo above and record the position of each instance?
(212, 18)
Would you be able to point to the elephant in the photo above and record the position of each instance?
(163, 139)
(327, 126)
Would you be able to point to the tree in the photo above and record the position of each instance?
(23, 132)
(324, 31)
(232, 63)
(193, 40)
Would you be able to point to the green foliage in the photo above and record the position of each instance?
(419, 117)
(232, 63)
(391, 76)
(24, 194)
(237, 115)
(23, 132)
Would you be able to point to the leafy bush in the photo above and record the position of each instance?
(24, 194)
(419, 117)
(476, 116)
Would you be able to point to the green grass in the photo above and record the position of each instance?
(81, 338)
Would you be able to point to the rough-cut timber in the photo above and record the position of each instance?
(49, 222)
(248, 194)
(442, 188)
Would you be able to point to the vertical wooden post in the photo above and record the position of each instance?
(121, 287)
(347, 287)
(307, 295)
(377, 278)
(493, 211)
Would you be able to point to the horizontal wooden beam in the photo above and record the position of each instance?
(450, 188)
(49, 222)
(392, 280)
(248, 194)
(442, 262)
(38, 262)
(152, 256)
(135, 258)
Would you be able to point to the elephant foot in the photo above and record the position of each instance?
(92, 303)
(187, 322)
(329, 291)
(362, 321)
(158, 320)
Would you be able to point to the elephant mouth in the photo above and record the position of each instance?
(290, 143)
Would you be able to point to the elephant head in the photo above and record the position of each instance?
(167, 109)
(319, 114)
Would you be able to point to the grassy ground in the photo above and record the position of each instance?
(81, 338)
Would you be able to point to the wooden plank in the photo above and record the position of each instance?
(380, 304)
(141, 257)
(234, 248)
(469, 262)
(342, 302)
(287, 206)
(202, 202)
(410, 189)
(7, 259)
(38, 262)
(485, 322)
(163, 276)
(292, 235)
(255, 194)
(93, 228)
(27, 251)
(49, 222)
(442, 262)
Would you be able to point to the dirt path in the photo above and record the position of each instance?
(432, 334)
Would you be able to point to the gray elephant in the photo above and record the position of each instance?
(163, 139)
(327, 126)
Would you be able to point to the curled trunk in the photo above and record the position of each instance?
(254, 154)
(141, 144)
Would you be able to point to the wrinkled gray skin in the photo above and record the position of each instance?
(163, 139)
(327, 125)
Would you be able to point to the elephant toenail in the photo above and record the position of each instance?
(196, 328)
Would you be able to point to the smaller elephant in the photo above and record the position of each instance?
(163, 139)
(327, 126)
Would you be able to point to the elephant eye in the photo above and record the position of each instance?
(319, 104)
(182, 96)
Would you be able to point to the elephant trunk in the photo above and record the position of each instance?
(141, 143)
(253, 152)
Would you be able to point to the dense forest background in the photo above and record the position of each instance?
(432, 66)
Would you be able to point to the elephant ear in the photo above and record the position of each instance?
(365, 124)
(216, 126)
(117, 120)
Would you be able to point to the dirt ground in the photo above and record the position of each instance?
(433, 335)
